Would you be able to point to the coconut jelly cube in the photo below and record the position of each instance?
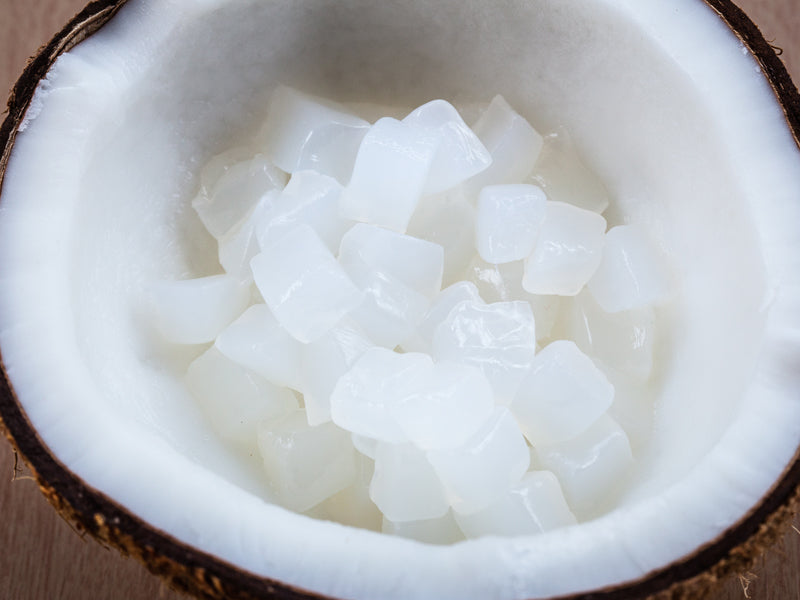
(219, 164)
(563, 176)
(304, 132)
(309, 198)
(443, 530)
(365, 445)
(257, 341)
(513, 144)
(507, 221)
(546, 310)
(591, 467)
(390, 311)
(240, 244)
(414, 262)
(353, 506)
(239, 186)
(567, 252)
(389, 175)
(194, 311)
(460, 154)
(324, 361)
(489, 464)
(233, 398)
(535, 505)
(398, 275)
(501, 283)
(444, 302)
(443, 219)
(622, 340)
(364, 396)
(497, 283)
(305, 465)
(405, 487)
(445, 407)
(498, 338)
(562, 395)
(632, 274)
(302, 283)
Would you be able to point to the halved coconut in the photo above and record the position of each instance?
(693, 129)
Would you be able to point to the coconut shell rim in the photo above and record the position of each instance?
(205, 576)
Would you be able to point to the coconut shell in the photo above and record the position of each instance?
(205, 576)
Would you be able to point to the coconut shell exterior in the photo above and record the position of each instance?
(205, 576)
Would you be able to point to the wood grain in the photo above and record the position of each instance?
(42, 558)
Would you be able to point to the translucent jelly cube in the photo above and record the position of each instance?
(443, 219)
(562, 396)
(441, 531)
(233, 398)
(460, 154)
(390, 311)
(535, 505)
(497, 283)
(323, 361)
(489, 464)
(309, 198)
(364, 396)
(223, 203)
(567, 252)
(303, 284)
(507, 221)
(562, 175)
(444, 302)
(219, 164)
(591, 467)
(501, 283)
(365, 445)
(194, 311)
(303, 132)
(545, 310)
(389, 174)
(632, 274)
(414, 262)
(446, 407)
(238, 247)
(405, 487)
(622, 340)
(257, 341)
(498, 338)
(353, 506)
(398, 275)
(513, 144)
(305, 465)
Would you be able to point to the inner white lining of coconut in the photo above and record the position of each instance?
(664, 102)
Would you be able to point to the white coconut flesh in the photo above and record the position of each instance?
(666, 107)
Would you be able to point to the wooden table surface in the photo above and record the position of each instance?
(42, 558)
